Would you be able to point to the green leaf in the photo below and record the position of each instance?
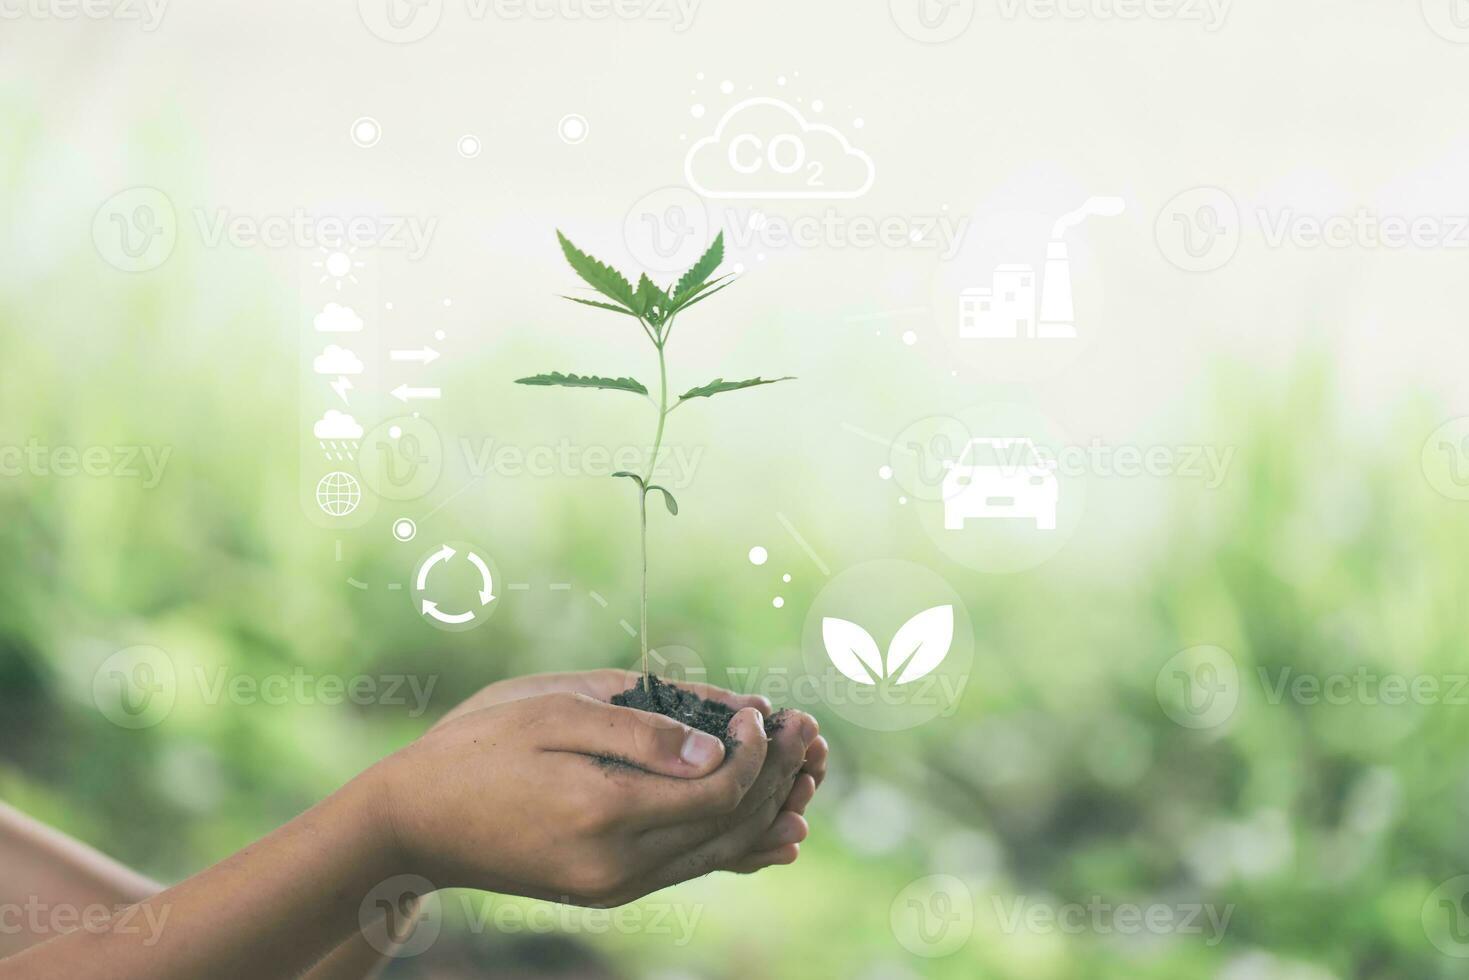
(668, 500)
(600, 306)
(702, 269)
(719, 386)
(631, 476)
(700, 297)
(560, 380)
(603, 278)
(650, 301)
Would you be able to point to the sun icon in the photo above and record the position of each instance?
(337, 266)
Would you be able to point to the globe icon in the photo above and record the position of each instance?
(338, 493)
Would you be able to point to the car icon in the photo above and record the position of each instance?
(1000, 478)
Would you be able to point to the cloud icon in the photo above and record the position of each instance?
(765, 148)
(336, 425)
(336, 360)
(336, 318)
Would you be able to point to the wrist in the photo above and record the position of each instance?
(367, 803)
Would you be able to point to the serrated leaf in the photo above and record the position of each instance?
(600, 306)
(852, 650)
(921, 644)
(668, 500)
(718, 386)
(557, 379)
(701, 270)
(630, 476)
(700, 297)
(651, 301)
(601, 277)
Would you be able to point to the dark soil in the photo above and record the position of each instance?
(679, 704)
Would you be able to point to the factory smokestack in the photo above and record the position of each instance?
(1057, 314)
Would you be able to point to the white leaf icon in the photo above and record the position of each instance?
(921, 644)
(852, 649)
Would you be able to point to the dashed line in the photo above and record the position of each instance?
(357, 585)
(518, 587)
(395, 586)
(597, 598)
(560, 586)
(628, 627)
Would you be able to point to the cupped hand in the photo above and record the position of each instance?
(603, 684)
(563, 796)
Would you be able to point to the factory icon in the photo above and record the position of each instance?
(1007, 309)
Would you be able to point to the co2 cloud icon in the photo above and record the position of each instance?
(336, 318)
(765, 148)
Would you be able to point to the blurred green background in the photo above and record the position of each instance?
(1061, 780)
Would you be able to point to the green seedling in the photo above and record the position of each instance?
(655, 310)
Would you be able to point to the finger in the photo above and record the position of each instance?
(788, 828)
(803, 791)
(770, 789)
(568, 722)
(720, 852)
(659, 803)
(604, 684)
(758, 862)
(816, 755)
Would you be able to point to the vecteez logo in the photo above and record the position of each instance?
(1449, 19)
(932, 21)
(401, 21)
(407, 21)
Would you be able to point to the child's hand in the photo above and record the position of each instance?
(522, 797)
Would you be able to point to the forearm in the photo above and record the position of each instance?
(274, 909)
(51, 880)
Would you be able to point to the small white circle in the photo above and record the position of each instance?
(902, 501)
(758, 555)
(817, 105)
(448, 302)
(697, 111)
(366, 131)
(439, 335)
(469, 146)
(858, 123)
(786, 577)
(404, 529)
(884, 472)
(726, 86)
(573, 128)
(338, 264)
(395, 431)
(910, 338)
(780, 80)
(777, 602)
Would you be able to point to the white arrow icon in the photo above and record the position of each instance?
(404, 392)
(443, 554)
(428, 355)
(487, 594)
(431, 608)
